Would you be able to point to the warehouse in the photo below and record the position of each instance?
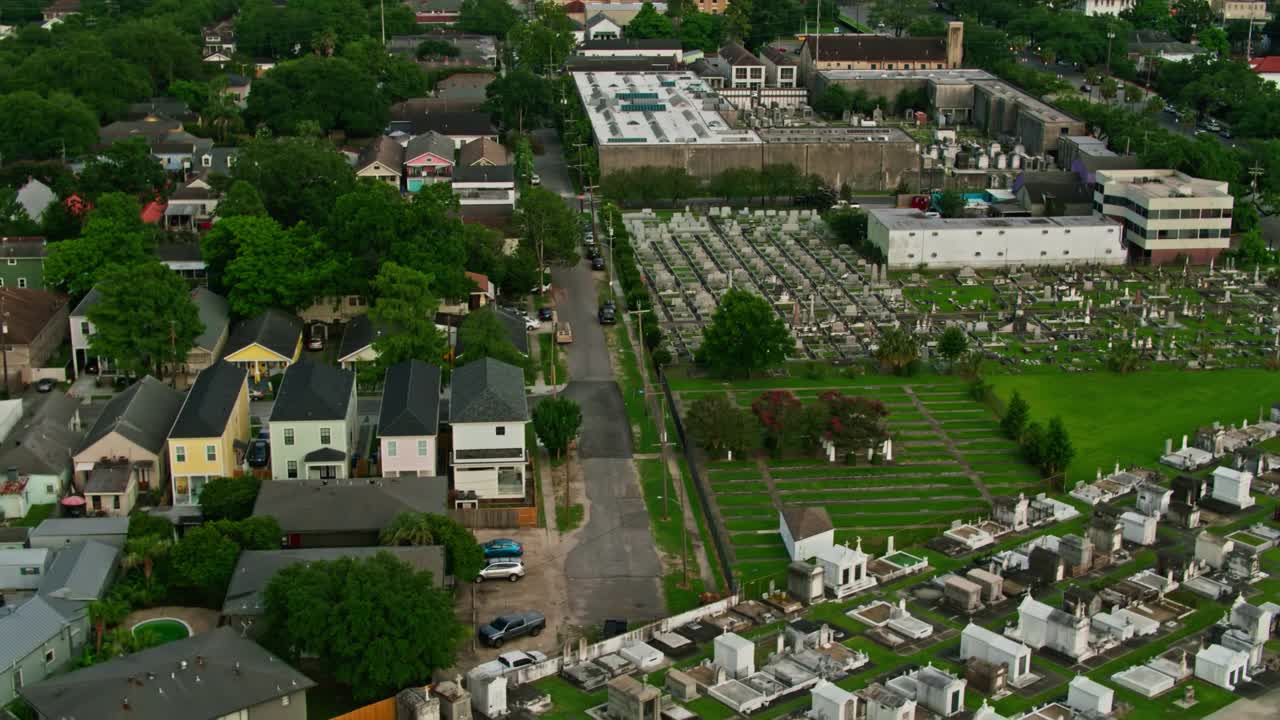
(910, 238)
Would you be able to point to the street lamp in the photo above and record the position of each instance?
(1110, 36)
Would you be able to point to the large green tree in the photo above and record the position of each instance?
(897, 349)
(898, 15)
(520, 100)
(405, 307)
(488, 17)
(85, 68)
(127, 166)
(33, 127)
(556, 421)
(744, 335)
(649, 23)
(298, 178)
(145, 320)
(229, 498)
(547, 226)
(483, 335)
(114, 234)
(376, 624)
(333, 92)
(718, 425)
(543, 44)
(202, 562)
(1017, 415)
(276, 268)
(464, 557)
(1057, 452)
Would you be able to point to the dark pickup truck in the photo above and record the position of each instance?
(510, 627)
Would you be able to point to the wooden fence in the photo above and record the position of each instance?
(520, 517)
(381, 710)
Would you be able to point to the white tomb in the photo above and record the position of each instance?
(1089, 697)
(735, 655)
(831, 702)
(844, 570)
(977, 641)
(1232, 487)
(1222, 666)
(1138, 528)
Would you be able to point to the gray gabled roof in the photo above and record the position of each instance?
(805, 522)
(348, 506)
(275, 330)
(72, 527)
(430, 142)
(80, 571)
(256, 568)
(410, 400)
(358, 335)
(488, 390)
(215, 316)
(484, 174)
(160, 683)
(313, 391)
(142, 414)
(28, 627)
(210, 401)
(324, 454)
(43, 448)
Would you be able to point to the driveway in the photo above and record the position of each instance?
(611, 564)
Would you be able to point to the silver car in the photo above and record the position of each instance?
(507, 569)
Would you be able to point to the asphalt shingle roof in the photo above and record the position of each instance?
(488, 390)
(160, 683)
(313, 391)
(214, 316)
(275, 330)
(410, 400)
(80, 571)
(143, 414)
(430, 142)
(355, 505)
(805, 522)
(256, 568)
(26, 628)
(358, 335)
(28, 312)
(853, 48)
(210, 402)
(455, 123)
(484, 174)
(72, 527)
(43, 448)
(383, 150)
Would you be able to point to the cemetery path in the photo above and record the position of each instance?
(952, 447)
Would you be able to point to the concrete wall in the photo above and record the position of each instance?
(861, 165)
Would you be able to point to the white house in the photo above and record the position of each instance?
(82, 333)
(979, 642)
(488, 412)
(313, 423)
(1221, 666)
(484, 187)
(1040, 626)
(1138, 528)
(600, 27)
(806, 531)
(1232, 487)
(1106, 7)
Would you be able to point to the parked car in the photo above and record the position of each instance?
(564, 333)
(593, 252)
(607, 316)
(512, 570)
(259, 454)
(91, 366)
(535, 180)
(597, 263)
(546, 314)
(509, 627)
(499, 548)
(1086, 88)
(257, 394)
(513, 659)
(44, 385)
(315, 342)
(611, 305)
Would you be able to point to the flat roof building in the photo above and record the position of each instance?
(1166, 213)
(909, 238)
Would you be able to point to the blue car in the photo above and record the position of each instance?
(502, 548)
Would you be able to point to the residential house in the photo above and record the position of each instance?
(485, 190)
(81, 331)
(23, 265)
(211, 434)
(484, 294)
(215, 318)
(35, 197)
(161, 105)
(428, 158)
(266, 343)
(58, 533)
(345, 513)
(357, 342)
(782, 69)
(881, 52)
(124, 450)
(154, 128)
(620, 13)
(460, 127)
(382, 160)
(36, 323)
(215, 161)
(217, 674)
(437, 12)
(482, 152)
(36, 458)
(45, 635)
(243, 608)
(409, 420)
(1267, 68)
(238, 87)
(488, 412)
(313, 422)
(1105, 7)
(806, 531)
(745, 69)
(219, 42)
(464, 91)
(22, 569)
(1150, 47)
(191, 207)
(174, 156)
(600, 27)
(667, 49)
(59, 10)
(184, 259)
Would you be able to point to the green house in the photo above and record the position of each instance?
(22, 262)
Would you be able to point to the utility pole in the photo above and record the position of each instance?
(1254, 173)
(382, 19)
(644, 370)
(173, 350)
(1111, 35)
(662, 458)
(4, 343)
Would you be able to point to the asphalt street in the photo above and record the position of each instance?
(613, 569)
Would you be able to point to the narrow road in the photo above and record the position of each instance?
(612, 570)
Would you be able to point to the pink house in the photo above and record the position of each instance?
(428, 158)
(409, 420)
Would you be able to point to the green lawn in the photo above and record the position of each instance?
(546, 347)
(1126, 418)
(36, 514)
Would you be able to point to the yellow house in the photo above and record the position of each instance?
(265, 344)
(211, 435)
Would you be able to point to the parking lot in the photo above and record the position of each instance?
(543, 590)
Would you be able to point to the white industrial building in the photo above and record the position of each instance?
(1106, 7)
(979, 642)
(1166, 213)
(650, 108)
(910, 238)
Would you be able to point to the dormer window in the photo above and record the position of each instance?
(206, 161)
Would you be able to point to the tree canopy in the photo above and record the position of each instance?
(546, 224)
(483, 335)
(332, 92)
(114, 234)
(229, 498)
(145, 320)
(405, 309)
(463, 555)
(556, 421)
(718, 425)
(297, 178)
(744, 335)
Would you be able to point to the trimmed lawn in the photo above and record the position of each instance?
(1126, 418)
(36, 514)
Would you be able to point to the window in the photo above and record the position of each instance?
(288, 436)
(179, 454)
(49, 656)
(48, 488)
(206, 161)
(22, 282)
(17, 680)
(422, 448)
(328, 472)
(977, 254)
(510, 482)
(211, 453)
(500, 430)
(115, 502)
(293, 470)
(391, 448)
(84, 328)
(97, 502)
(13, 261)
(324, 436)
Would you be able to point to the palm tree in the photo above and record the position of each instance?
(409, 529)
(897, 349)
(106, 612)
(144, 551)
